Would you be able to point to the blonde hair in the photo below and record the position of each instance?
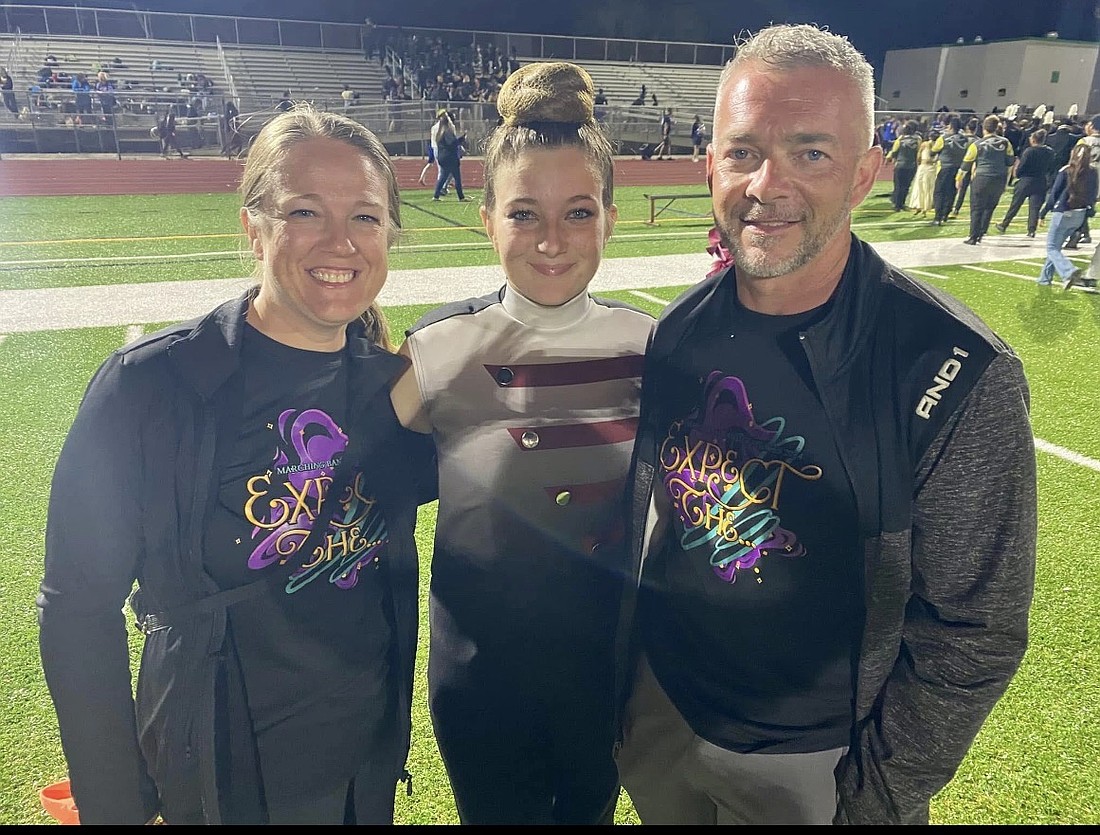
(548, 105)
(268, 154)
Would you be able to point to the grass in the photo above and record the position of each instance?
(1036, 760)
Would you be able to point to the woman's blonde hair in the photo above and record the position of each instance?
(268, 153)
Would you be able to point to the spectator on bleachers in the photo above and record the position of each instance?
(108, 103)
(7, 90)
(285, 102)
(83, 91)
(640, 100)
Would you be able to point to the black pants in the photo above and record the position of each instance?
(944, 194)
(1033, 190)
(903, 179)
(985, 192)
(960, 196)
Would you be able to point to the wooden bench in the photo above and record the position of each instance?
(669, 200)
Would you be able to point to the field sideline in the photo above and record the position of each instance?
(1035, 762)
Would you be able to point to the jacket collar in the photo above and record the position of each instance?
(837, 338)
(210, 354)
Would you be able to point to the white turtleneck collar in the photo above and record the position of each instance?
(535, 315)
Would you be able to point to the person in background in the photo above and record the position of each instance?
(7, 91)
(962, 179)
(1072, 196)
(988, 162)
(246, 468)
(531, 396)
(1091, 139)
(1030, 182)
(903, 153)
(166, 130)
(950, 148)
(924, 183)
(807, 641)
(82, 89)
(664, 148)
(448, 156)
(284, 103)
(698, 133)
(233, 145)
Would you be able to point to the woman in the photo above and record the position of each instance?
(924, 183)
(1030, 171)
(531, 394)
(247, 469)
(7, 90)
(448, 156)
(1071, 197)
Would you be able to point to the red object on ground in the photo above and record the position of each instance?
(58, 802)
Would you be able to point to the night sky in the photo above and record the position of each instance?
(874, 27)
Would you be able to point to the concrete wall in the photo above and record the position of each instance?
(972, 76)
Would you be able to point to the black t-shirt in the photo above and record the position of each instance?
(314, 647)
(752, 605)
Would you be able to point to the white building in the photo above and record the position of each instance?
(982, 75)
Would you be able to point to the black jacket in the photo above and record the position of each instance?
(929, 409)
(131, 497)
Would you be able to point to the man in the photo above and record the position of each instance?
(903, 153)
(949, 150)
(988, 160)
(973, 125)
(664, 150)
(833, 490)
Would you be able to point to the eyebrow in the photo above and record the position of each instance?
(318, 197)
(532, 201)
(806, 138)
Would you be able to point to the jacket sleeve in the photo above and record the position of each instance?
(93, 548)
(965, 627)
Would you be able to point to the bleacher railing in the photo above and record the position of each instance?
(203, 28)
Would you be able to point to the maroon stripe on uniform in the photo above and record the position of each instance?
(596, 433)
(569, 373)
(588, 493)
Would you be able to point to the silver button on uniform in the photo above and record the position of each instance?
(529, 439)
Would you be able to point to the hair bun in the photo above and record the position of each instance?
(547, 92)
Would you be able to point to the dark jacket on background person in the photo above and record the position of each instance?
(1058, 199)
(153, 424)
(916, 388)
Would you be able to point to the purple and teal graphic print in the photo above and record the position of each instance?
(284, 501)
(724, 474)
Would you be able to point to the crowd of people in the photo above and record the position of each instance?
(712, 559)
(937, 160)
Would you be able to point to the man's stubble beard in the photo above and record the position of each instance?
(759, 263)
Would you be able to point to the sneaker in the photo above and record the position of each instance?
(1031, 234)
(465, 199)
(1044, 283)
(1089, 282)
(1085, 240)
(971, 241)
(1002, 228)
(1071, 279)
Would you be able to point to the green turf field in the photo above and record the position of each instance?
(1036, 761)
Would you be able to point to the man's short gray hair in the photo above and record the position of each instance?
(794, 46)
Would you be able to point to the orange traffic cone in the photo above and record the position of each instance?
(57, 800)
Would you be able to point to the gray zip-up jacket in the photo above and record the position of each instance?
(929, 409)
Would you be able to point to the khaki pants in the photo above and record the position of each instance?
(675, 777)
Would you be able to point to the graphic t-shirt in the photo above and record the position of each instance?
(315, 646)
(752, 605)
